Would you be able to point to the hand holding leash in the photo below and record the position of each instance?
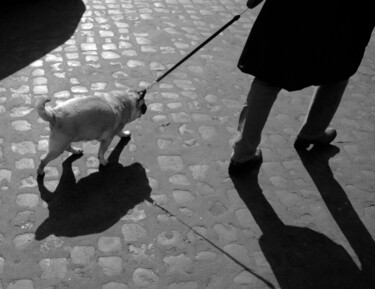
(253, 3)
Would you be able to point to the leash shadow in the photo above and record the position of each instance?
(29, 29)
(301, 257)
(96, 202)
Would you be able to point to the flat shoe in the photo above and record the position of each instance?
(238, 168)
(328, 136)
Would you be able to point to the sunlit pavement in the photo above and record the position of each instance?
(101, 229)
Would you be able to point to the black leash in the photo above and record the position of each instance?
(143, 92)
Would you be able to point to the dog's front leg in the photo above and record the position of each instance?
(124, 134)
(104, 144)
(75, 151)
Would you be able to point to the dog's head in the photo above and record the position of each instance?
(139, 104)
(133, 106)
(141, 100)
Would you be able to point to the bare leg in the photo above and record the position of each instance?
(253, 117)
(242, 118)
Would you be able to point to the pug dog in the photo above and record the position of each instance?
(88, 118)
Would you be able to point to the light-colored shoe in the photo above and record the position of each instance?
(239, 168)
(328, 136)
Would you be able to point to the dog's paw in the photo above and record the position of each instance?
(124, 134)
(76, 151)
(40, 173)
(103, 162)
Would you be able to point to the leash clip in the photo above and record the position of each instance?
(142, 93)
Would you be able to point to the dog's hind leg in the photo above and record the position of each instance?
(56, 148)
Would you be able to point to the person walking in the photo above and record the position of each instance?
(294, 44)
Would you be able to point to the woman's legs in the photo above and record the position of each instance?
(253, 117)
(322, 108)
(259, 103)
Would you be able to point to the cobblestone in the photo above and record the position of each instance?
(55, 268)
(21, 284)
(100, 230)
(109, 244)
(111, 265)
(21, 242)
(82, 255)
(133, 233)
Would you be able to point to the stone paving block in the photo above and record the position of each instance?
(145, 278)
(226, 233)
(5, 176)
(218, 209)
(25, 147)
(55, 268)
(183, 285)
(180, 264)
(24, 164)
(82, 255)
(170, 163)
(109, 244)
(29, 182)
(179, 179)
(50, 243)
(23, 218)
(169, 238)
(114, 285)
(21, 125)
(21, 242)
(199, 172)
(206, 256)
(239, 252)
(111, 265)
(27, 200)
(20, 111)
(207, 132)
(134, 232)
(21, 284)
(245, 278)
(135, 215)
(2, 262)
(183, 197)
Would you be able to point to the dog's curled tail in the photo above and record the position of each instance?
(46, 113)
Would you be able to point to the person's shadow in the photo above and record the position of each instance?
(29, 29)
(96, 202)
(302, 258)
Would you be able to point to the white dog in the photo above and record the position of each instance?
(89, 118)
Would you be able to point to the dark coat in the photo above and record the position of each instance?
(294, 43)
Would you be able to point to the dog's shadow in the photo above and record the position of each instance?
(301, 257)
(96, 202)
(29, 29)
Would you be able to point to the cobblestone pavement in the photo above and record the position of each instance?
(101, 231)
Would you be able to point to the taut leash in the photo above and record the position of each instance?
(143, 92)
